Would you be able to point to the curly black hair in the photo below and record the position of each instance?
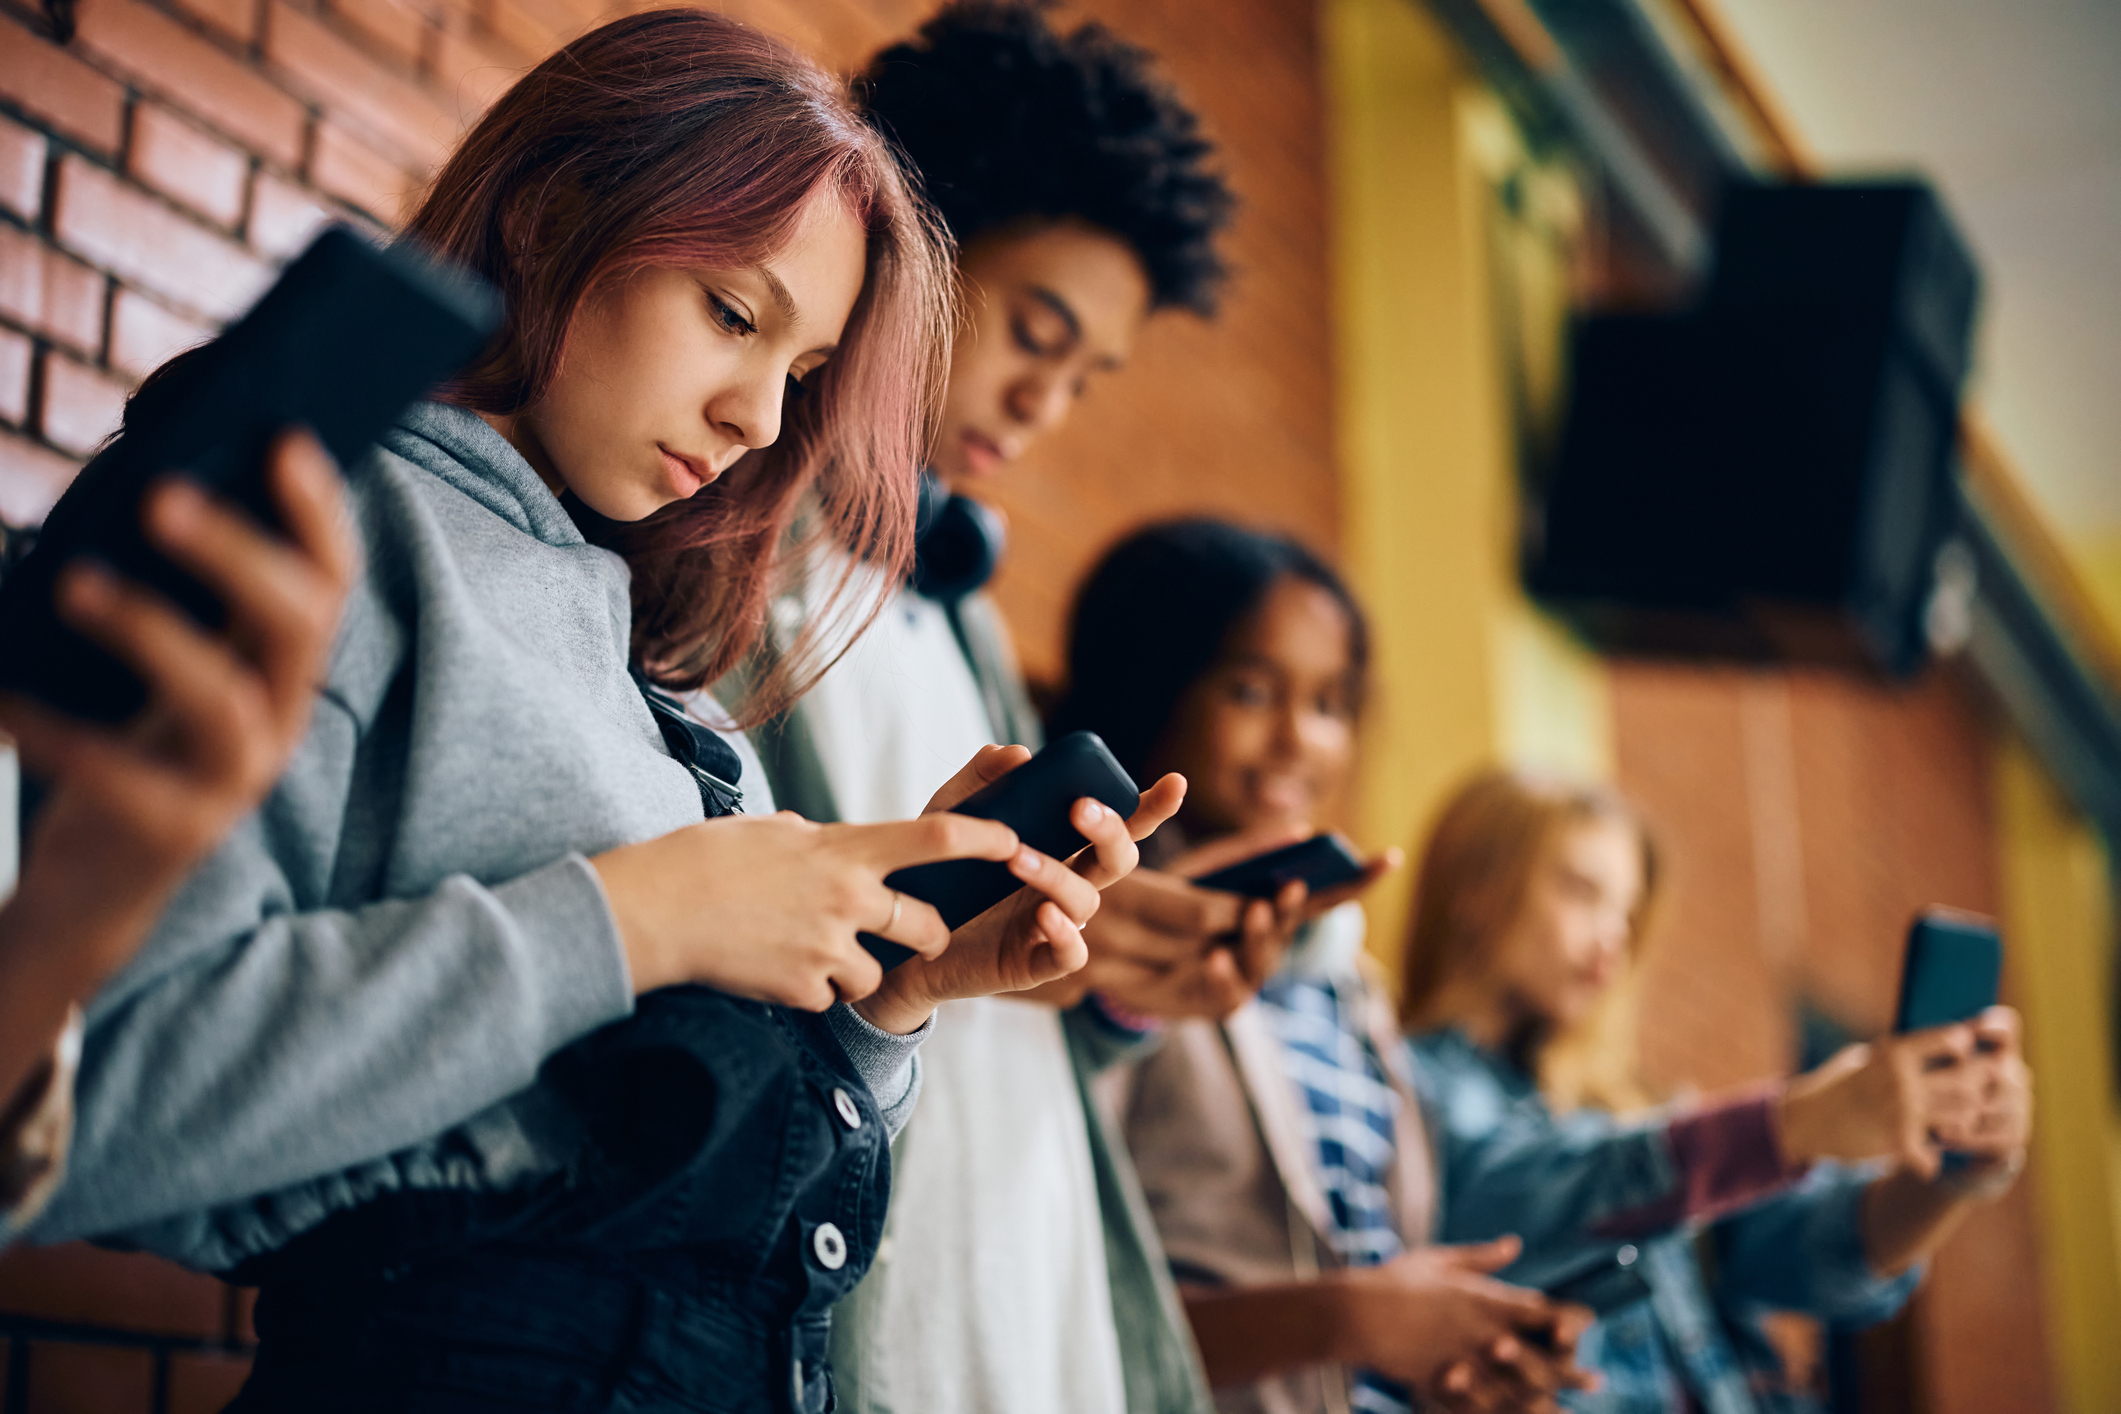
(1008, 120)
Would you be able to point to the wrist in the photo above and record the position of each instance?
(1796, 1116)
(647, 963)
(891, 1008)
(1340, 1309)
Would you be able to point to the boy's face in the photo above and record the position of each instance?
(1047, 306)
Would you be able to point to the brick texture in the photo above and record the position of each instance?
(88, 1379)
(15, 352)
(237, 19)
(204, 1384)
(282, 216)
(184, 164)
(198, 74)
(77, 1283)
(397, 29)
(21, 170)
(51, 84)
(81, 406)
(48, 293)
(143, 334)
(137, 237)
(357, 174)
(395, 111)
(472, 69)
(31, 477)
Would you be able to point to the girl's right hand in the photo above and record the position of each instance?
(1908, 1097)
(768, 907)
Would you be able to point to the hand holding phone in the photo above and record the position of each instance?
(1035, 800)
(1953, 970)
(1032, 936)
(349, 335)
(1911, 1095)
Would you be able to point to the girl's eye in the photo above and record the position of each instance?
(725, 315)
(796, 391)
(1031, 344)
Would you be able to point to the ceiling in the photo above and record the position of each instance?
(2014, 109)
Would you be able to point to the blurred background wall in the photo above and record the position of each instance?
(1390, 356)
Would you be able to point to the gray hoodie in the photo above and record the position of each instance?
(354, 994)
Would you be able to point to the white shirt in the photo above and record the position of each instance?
(989, 1293)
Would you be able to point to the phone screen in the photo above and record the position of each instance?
(1954, 967)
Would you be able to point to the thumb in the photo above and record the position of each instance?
(1483, 1257)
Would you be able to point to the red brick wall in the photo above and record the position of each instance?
(156, 167)
(1807, 818)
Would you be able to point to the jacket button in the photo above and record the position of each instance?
(844, 1103)
(830, 1245)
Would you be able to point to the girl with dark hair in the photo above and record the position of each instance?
(513, 1081)
(1298, 1236)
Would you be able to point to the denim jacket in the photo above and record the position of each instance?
(1725, 1233)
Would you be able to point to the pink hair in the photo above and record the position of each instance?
(682, 137)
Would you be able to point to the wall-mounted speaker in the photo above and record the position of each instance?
(1767, 475)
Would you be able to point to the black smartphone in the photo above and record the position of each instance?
(1033, 800)
(350, 334)
(1953, 969)
(1605, 1281)
(1322, 862)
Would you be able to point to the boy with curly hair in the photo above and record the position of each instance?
(1019, 1273)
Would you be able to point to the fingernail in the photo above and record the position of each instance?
(1027, 859)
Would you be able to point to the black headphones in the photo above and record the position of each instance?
(957, 542)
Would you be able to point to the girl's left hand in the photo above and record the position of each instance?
(1035, 935)
(1997, 1135)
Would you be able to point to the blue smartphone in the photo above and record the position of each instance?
(1033, 800)
(1953, 970)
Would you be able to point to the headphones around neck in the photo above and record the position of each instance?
(957, 542)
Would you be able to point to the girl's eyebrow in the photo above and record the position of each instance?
(782, 300)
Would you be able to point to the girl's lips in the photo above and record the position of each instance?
(982, 452)
(686, 474)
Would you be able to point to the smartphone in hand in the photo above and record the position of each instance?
(1034, 800)
(1953, 970)
(350, 334)
(1321, 862)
